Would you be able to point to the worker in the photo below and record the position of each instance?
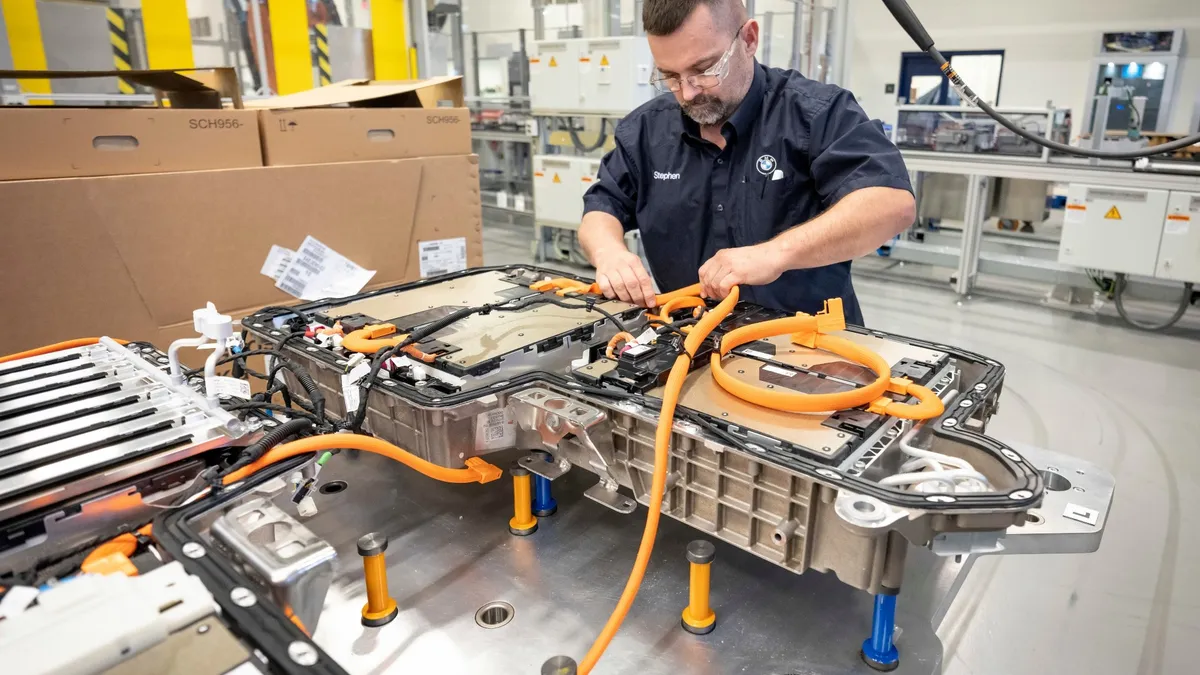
(740, 174)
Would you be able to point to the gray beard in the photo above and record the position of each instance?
(707, 111)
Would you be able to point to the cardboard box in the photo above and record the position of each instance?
(54, 142)
(129, 255)
(362, 120)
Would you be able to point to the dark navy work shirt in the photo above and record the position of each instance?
(793, 148)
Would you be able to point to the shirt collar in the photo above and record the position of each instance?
(745, 116)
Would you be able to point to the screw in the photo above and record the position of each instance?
(1052, 468)
(860, 464)
(1078, 489)
(1021, 494)
(389, 383)
(950, 422)
(980, 387)
(242, 597)
(302, 653)
(724, 414)
(202, 628)
(841, 435)
(965, 403)
(193, 550)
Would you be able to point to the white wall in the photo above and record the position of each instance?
(1049, 45)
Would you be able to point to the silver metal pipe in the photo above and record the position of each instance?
(260, 49)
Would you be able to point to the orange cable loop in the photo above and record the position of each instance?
(373, 338)
(610, 350)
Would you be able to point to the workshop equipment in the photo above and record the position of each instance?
(523, 522)
(380, 608)
(698, 617)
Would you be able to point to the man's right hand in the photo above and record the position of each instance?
(621, 275)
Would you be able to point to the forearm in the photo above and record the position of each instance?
(858, 224)
(601, 234)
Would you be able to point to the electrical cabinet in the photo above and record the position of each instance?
(590, 75)
(557, 196)
(614, 74)
(1179, 254)
(1113, 229)
(554, 75)
(589, 174)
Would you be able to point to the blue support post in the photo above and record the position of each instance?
(878, 650)
(543, 501)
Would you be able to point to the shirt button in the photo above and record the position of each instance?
(720, 161)
(720, 207)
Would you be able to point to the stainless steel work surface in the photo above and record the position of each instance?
(451, 553)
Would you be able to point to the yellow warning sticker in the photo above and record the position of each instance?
(604, 60)
(1113, 213)
(553, 62)
(557, 179)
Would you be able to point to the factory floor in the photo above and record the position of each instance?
(1120, 398)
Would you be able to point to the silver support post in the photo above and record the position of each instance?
(260, 49)
(456, 43)
(524, 56)
(1101, 103)
(612, 18)
(799, 29)
(750, 8)
(972, 234)
(418, 29)
(475, 62)
(640, 30)
(839, 51)
(539, 20)
(767, 34)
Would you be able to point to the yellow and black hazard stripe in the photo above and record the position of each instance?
(120, 46)
(324, 74)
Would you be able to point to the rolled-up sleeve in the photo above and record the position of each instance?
(615, 191)
(849, 151)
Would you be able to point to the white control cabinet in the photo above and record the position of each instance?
(557, 196)
(554, 75)
(590, 75)
(1113, 229)
(1179, 254)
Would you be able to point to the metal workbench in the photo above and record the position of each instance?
(967, 258)
(450, 553)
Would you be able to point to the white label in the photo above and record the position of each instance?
(317, 271)
(227, 386)
(1075, 216)
(585, 66)
(634, 350)
(757, 354)
(778, 371)
(1082, 514)
(647, 337)
(643, 74)
(443, 256)
(502, 199)
(350, 380)
(495, 429)
(1176, 227)
(277, 262)
(17, 600)
(519, 202)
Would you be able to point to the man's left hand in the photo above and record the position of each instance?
(756, 265)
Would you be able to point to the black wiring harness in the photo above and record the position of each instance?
(908, 20)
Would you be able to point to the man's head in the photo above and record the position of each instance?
(704, 51)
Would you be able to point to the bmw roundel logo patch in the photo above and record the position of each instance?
(765, 165)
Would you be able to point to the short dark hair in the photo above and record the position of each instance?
(663, 17)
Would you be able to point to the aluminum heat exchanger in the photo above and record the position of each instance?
(536, 369)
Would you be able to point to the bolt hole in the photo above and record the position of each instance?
(494, 615)
(1034, 518)
(1056, 482)
(864, 507)
(778, 537)
(333, 487)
